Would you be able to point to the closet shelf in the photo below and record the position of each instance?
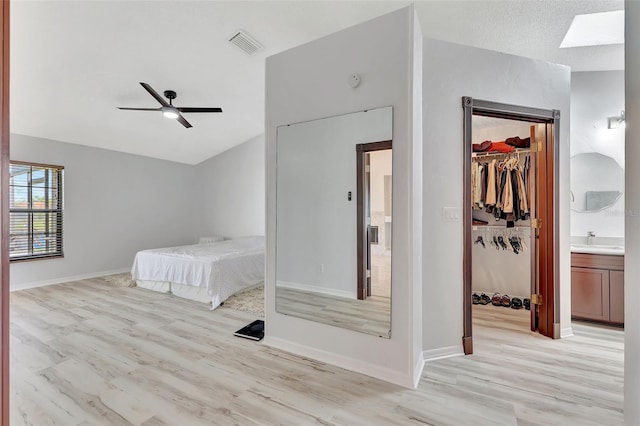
(503, 227)
(496, 154)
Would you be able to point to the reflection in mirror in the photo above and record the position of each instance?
(333, 215)
(597, 182)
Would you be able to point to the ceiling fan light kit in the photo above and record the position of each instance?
(170, 112)
(167, 109)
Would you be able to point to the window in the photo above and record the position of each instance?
(35, 211)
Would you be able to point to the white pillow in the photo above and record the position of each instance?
(213, 239)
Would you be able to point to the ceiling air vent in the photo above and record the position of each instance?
(245, 42)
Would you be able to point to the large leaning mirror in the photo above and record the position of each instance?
(597, 182)
(334, 220)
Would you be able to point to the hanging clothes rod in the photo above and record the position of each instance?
(496, 154)
(502, 227)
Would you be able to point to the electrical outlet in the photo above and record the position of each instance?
(451, 214)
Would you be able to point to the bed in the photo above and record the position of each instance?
(208, 273)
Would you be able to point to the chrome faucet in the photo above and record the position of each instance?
(590, 236)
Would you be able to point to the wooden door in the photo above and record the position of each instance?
(544, 298)
(533, 215)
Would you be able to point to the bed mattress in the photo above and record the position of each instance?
(217, 269)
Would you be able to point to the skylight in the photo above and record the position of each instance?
(595, 29)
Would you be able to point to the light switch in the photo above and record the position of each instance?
(450, 214)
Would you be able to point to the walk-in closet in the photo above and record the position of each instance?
(503, 190)
(510, 218)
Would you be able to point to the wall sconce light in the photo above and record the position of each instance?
(616, 121)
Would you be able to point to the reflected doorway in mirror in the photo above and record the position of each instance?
(373, 162)
(317, 236)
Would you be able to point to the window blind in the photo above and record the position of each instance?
(35, 211)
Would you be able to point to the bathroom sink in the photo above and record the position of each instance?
(597, 248)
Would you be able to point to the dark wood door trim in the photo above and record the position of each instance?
(467, 221)
(549, 214)
(533, 212)
(4, 217)
(361, 150)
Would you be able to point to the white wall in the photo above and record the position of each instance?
(309, 82)
(231, 199)
(114, 205)
(594, 97)
(499, 131)
(632, 226)
(317, 223)
(451, 71)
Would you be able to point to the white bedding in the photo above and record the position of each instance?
(222, 268)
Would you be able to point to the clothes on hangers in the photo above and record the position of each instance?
(475, 178)
(490, 199)
(501, 186)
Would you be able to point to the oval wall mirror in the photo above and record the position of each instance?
(597, 182)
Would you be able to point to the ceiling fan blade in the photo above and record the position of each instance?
(140, 109)
(184, 122)
(190, 109)
(154, 94)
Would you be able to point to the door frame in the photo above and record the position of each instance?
(549, 237)
(4, 216)
(361, 235)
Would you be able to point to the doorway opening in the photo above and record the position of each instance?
(510, 265)
(374, 211)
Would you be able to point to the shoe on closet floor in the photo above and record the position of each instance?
(496, 299)
(527, 303)
(516, 303)
(505, 301)
(475, 298)
(484, 299)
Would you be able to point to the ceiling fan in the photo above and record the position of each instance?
(168, 110)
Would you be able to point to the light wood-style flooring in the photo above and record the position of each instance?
(92, 354)
(372, 316)
(381, 275)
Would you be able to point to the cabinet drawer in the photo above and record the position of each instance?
(598, 261)
(590, 293)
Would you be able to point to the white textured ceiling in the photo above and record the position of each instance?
(74, 62)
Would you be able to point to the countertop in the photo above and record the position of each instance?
(612, 246)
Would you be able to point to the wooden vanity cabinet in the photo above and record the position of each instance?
(597, 287)
(616, 297)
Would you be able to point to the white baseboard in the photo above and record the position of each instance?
(352, 364)
(317, 289)
(417, 370)
(566, 332)
(442, 353)
(24, 286)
